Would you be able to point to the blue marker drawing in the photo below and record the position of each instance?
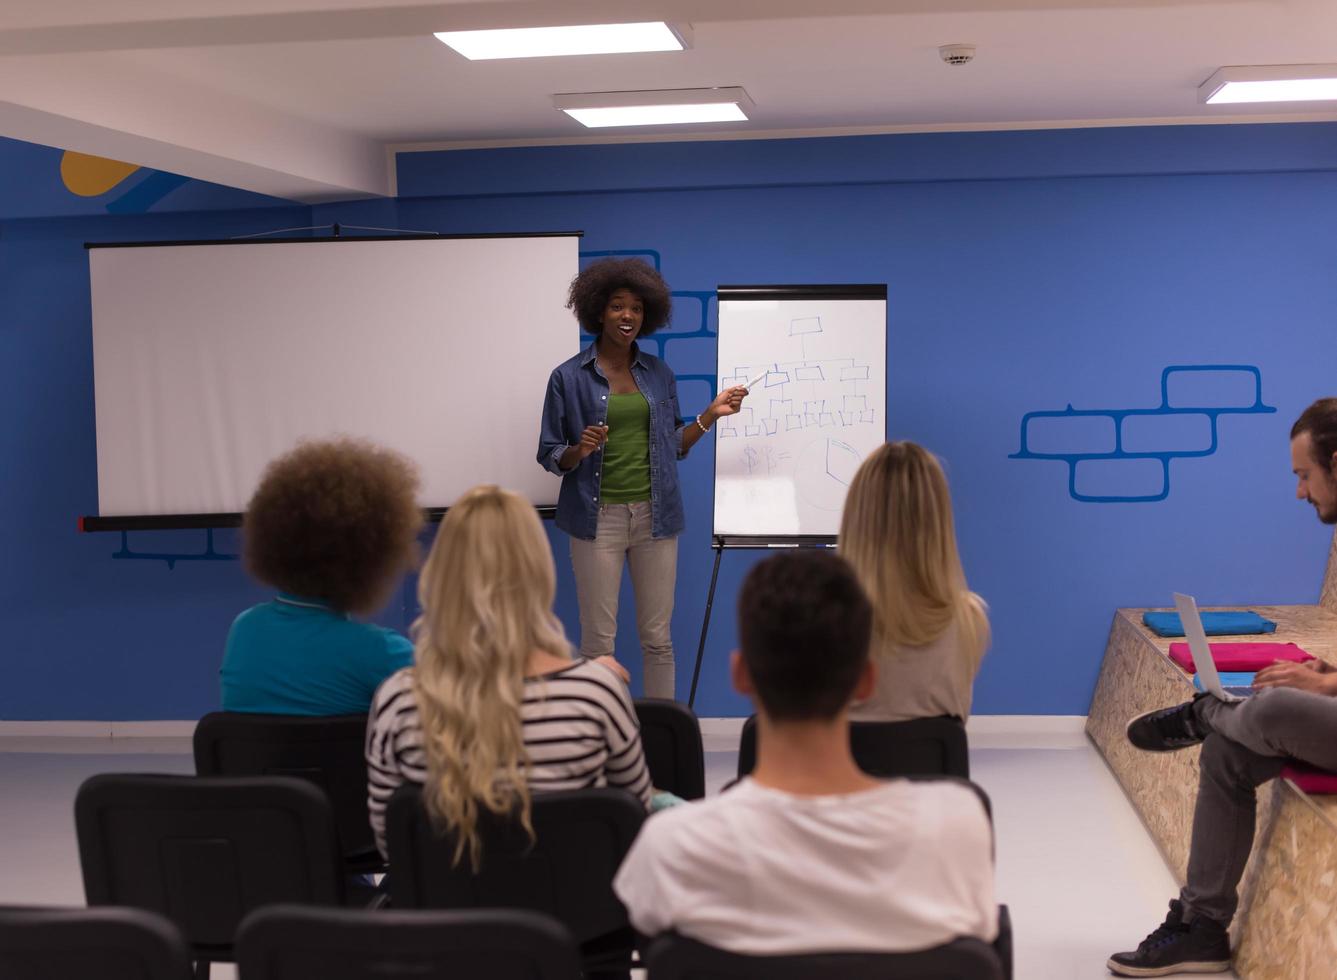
(1119, 415)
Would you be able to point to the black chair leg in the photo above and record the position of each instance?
(202, 970)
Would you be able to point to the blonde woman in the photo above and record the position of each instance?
(929, 630)
(494, 707)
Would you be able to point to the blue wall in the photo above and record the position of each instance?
(1026, 271)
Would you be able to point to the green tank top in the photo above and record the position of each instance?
(625, 473)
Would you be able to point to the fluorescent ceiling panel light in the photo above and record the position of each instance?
(657, 115)
(661, 107)
(1270, 83)
(548, 42)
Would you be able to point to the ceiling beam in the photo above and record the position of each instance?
(122, 112)
(406, 20)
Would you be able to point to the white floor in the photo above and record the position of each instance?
(1076, 867)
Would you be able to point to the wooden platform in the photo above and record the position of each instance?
(1286, 928)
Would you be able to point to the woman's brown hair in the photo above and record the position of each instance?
(336, 521)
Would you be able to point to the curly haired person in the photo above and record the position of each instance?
(332, 526)
(610, 429)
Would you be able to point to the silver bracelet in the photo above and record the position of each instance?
(700, 426)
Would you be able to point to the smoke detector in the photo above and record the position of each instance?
(957, 54)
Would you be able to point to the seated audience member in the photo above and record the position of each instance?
(1244, 744)
(333, 526)
(494, 707)
(808, 853)
(929, 630)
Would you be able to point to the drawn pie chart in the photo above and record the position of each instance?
(823, 473)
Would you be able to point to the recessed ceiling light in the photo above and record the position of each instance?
(547, 42)
(1270, 83)
(660, 107)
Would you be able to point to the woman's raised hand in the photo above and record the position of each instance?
(729, 401)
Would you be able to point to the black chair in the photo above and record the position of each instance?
(671, 737)
(287, 942)
(920, 747)
(324, 751)
(566, 870)
(78, 944)
(673, 957)
(204, 852)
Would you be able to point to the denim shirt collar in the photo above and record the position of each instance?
(592, 351)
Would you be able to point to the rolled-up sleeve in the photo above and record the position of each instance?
(552, 426)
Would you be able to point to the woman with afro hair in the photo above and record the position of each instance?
(333, 527)
(611, 431)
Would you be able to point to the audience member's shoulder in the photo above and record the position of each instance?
(395, 642)
(393, 690)
(689, 830)
(253, 616)
(596, 675)
(957, 805)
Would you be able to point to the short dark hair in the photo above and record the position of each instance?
(1320, 421)
(593, 286)
(804, 625)
(335, 521)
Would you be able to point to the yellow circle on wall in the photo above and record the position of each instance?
(90, 176)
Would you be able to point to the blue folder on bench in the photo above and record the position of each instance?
(1241, 623)
(1229, 679)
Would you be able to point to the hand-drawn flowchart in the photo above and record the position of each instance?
(784, 462)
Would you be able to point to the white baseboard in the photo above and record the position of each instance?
(1026, 725)
(98, 729)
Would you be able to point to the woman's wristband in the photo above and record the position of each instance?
(700, 426)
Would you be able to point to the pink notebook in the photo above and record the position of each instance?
(1310, 780)
(1241, 657)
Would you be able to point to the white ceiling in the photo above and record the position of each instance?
(307, 99)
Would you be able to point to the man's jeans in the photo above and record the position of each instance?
(1250, 742)
(624, 534)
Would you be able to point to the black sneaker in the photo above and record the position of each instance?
(1167, 729)
(1201, 946)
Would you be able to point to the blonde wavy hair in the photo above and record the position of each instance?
(897, 532)
(486, 593)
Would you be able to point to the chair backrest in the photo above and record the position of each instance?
(674, 957)
(325, 751)
(919, 747)
(205, 851)
(671, 737)
(288, 942)
(566, 871)
(75, 944)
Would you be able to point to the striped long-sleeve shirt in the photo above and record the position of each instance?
(579, 726)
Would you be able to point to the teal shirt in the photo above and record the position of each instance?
(297, 656)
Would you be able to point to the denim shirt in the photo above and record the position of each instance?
(578, 397)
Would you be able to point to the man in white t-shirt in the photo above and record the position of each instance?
(809, 854)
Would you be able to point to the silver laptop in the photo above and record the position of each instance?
(1202, 653)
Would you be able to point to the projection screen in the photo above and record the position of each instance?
(211, 359)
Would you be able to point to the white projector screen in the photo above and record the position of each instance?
(210, 360)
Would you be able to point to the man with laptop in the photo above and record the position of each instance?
(1292, 714)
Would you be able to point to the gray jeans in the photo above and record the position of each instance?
(624, 535)
(1250, 742)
